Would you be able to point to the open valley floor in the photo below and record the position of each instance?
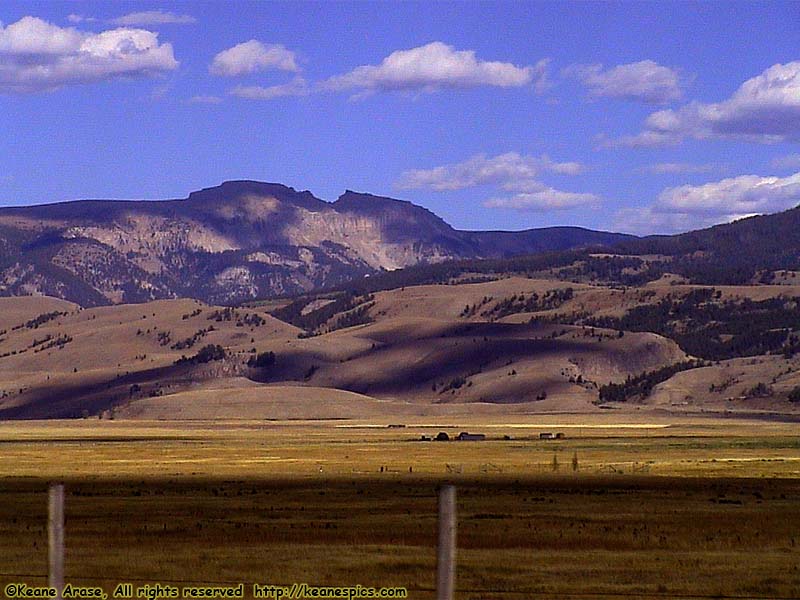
(633, 506)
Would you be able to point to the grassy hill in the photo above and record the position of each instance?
(514, 344)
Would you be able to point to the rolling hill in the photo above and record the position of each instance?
(512, 345)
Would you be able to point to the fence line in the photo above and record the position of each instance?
(446, 553)
(55, 538)
(446, 561)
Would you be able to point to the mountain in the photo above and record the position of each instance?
(237, 241)
(748, 250)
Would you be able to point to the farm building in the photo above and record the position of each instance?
(471, 437)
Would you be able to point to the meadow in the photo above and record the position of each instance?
(652, 509)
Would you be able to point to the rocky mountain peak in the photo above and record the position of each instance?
(236, 191)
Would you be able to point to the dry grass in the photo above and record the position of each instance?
(657, 508)
(448, 301)
(643, 538)
(348, 448)
(691, 390)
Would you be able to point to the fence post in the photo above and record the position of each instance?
(55, 534)
(446, 557)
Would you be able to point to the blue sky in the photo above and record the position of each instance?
(640, 117)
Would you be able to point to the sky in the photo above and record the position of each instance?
(642, 117)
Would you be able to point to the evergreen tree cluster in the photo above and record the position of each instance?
(714, 329)
(262, 360)
(533, 303)
(40, 320)
(313, 320)
(206, 354)
(641, 385)
(357, 316)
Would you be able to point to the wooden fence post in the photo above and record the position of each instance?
(446, 557)
(55, 534)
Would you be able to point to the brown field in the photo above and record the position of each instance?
(657, 508)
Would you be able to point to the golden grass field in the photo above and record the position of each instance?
(658, 507)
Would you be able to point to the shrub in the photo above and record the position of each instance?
(206, 354)
(760, 390)
(262, 360)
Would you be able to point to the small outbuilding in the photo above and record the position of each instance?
(442, 437)
(546, 435)
(471, 437)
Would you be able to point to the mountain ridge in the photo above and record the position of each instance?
(239, 240)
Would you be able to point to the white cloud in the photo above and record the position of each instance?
(73, 18)
(296, 87)
(512, 171)
(671, 168)
(250, 57)
(650, 220)
(152, 17)
(735, 196)
(790, 161)
(765, 109)
(205, 99)
(544, 200)
(435, 66)
(645, 139)
(645, 81)
(31, 37)
(37, 56)
(690, 207)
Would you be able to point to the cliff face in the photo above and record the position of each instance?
(236, 241)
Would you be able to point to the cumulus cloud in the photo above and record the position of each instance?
(36, 55)
(152, 17)
(512, 171)
(765, 109)
(688, 207)
(296, 87)
(645, 81)
(250, 57)
(743, 195)
(544, 200)
(436, 66)
(650, 220)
